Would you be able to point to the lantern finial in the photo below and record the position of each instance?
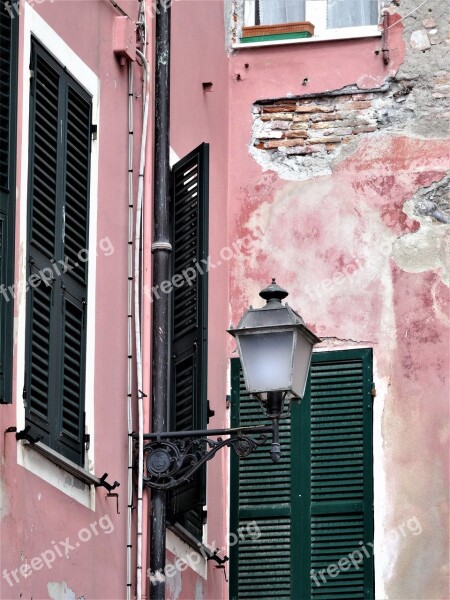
(273, 293)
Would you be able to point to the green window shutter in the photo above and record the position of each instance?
(189, 313)
(8, 110)
(260, 493)
(58, 225)
(330, 485)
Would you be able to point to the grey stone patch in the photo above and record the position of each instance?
(434, 201)
(419, 40)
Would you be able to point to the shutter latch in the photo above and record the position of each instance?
(209, 412)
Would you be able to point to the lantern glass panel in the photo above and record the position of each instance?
(302, 361)
(267, 360)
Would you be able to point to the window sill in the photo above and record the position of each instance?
(64, 463)
(327, 36)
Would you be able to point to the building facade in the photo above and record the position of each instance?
(317, 156)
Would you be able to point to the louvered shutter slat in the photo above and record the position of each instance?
(72, 422)
(6, 34)
(39, 365)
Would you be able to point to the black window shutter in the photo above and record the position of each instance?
(8, 110)
(58, 225)
(189, 310)
(329, 480)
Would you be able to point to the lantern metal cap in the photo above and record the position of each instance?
(273, 293)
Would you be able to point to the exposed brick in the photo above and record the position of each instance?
(280, 124)
(296, 134)
(365, 129)
(338, 131)
(302, 150)
(325, 140)
(326, 117)
(300, 126)
(283, 144)
(263, 134)
(301, 118)
(278, 115)
(324, 125)
(362, 97)
(312, 108)
(442, 80)
(355, 105)
(279, 108)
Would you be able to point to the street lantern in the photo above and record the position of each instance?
(275, 348)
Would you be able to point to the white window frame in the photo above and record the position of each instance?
(59, 473)
(316, 13)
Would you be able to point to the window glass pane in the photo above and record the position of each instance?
(274, 12)
(351, 13)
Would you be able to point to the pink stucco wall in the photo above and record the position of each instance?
(35, 515)
(343, 245)
(340, 243)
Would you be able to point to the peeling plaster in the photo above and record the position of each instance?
(4, 500)
(426, 249)
(174, 585)
(390, 109)
(61, 591)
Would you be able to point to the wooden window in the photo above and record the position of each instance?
(8, 109)
(315, 507)
(189, 319)
(59, 173)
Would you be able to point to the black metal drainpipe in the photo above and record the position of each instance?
(161, 249)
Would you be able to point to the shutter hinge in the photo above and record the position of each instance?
(209, 412)
(94, 131)
(87, 440)
(373, 391)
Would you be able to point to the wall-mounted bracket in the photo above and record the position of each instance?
(24, 434)
(174, 456)
(103, 483)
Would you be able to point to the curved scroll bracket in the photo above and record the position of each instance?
(171, 460)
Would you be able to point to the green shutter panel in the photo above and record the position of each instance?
(8, 110)
(329, 481)
(189, 320)
(60, 118)
(338, 497)
(260, 493)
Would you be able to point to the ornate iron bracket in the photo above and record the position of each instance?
(173, 457)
